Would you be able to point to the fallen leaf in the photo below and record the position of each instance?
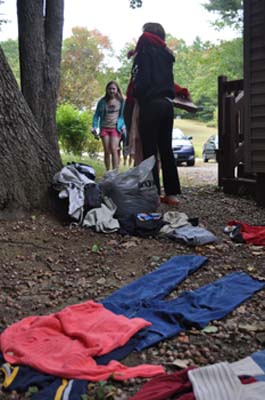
(112, 242)
(129, 244)
(180, 363)
(210, 329)
(241, 309)
(101, 281)
(251, 269)
(183, 339)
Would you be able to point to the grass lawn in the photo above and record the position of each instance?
(198, 130)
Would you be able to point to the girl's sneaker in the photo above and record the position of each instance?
(171, 199)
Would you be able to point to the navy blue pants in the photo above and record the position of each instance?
(144, 298)
(156, 285)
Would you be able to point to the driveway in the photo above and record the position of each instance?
(201, 174)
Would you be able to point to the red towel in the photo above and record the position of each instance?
(64, 343)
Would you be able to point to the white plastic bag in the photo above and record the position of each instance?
(133, 191)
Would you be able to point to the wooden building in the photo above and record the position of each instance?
(241, 154)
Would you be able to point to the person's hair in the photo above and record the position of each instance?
(118, 95)
(155, 28)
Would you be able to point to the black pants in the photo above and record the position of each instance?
(155, 126)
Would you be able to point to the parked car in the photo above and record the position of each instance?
(183, 149)
(209, 147)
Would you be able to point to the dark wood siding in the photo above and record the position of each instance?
(254, 85)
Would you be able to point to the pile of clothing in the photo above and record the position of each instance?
(124, 203)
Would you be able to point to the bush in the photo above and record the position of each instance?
(93, 146)
(73, 128)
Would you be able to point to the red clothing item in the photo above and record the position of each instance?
(180, 91)
(164, 386)
(64, 343)
(254, 234)
(147, 37)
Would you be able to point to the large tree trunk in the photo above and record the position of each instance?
(26, 161)
(40, 25)
(29, 151)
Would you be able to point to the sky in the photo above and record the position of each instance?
(183, 19)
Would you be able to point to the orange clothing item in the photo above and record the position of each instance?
(64, 343)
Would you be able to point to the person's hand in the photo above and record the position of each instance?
(185, 96)
(95, 133)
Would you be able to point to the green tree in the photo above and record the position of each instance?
(124, 70)
(83, 68)
(230, 12)
(225, 58)
(198, 66)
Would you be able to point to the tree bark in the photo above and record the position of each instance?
(26, 163)
(29, 150)
(40, 25)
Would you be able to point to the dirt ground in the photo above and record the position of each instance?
(47, 265)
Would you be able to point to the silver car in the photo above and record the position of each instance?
(209, 148)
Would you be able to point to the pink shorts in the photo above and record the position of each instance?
(112, 132)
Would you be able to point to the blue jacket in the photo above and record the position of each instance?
(100, 113)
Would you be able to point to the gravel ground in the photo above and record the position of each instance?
(46, 266)
(201, 174)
